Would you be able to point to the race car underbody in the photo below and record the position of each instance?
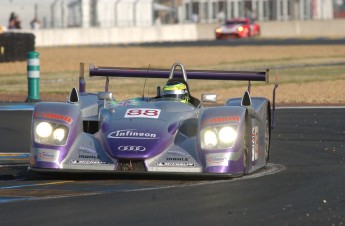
(93, 132)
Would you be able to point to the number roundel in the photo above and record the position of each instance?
(142, 113)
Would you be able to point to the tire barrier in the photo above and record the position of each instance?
(14, 46)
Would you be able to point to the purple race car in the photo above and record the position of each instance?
(171, 132)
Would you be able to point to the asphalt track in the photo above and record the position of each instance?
(303, 184)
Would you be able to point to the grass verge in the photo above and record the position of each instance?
(307, 74)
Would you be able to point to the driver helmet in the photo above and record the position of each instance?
(177, 90)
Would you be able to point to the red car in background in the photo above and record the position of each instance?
(238, 28)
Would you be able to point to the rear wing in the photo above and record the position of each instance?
(191, 74)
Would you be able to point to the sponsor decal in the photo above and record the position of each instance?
(83, 162)
(123, 103)
(131, 148)
(255, 143)
(222, 119)
(132, 134)
(53, 116)
(48, 155)
(87, 153)
(175, 164)
(89, 156)
(131, 102)
(175, 152)
(142, 113)
(217, 159)
(177, 159)
(86, 150)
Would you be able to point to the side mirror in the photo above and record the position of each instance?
(105, 96)
(209, 98)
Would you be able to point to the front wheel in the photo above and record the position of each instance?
(267, 137)
(247, 153)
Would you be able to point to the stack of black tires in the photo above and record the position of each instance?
(14, 46)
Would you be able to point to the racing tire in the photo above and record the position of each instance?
(246, 164)
(267, 137)
(247, 151)
(258, 32)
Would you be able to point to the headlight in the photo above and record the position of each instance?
(240, 29)
(219, 30)
(218, 137)
(227, 135)
(209, 138)
(51, 133)
(59, 134)
(44, 129)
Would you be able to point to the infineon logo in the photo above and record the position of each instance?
(131, 134)
(217, 159)
(48, 155)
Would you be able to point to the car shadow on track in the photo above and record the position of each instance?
(15, 172)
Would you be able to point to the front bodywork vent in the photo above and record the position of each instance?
(126, 165)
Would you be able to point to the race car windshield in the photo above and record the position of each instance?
(235, 22)
(175, 96)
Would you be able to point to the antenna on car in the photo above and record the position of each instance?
(82, 83)
(106, 88)
(148, 68)
(249, 86)
(276, 77)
